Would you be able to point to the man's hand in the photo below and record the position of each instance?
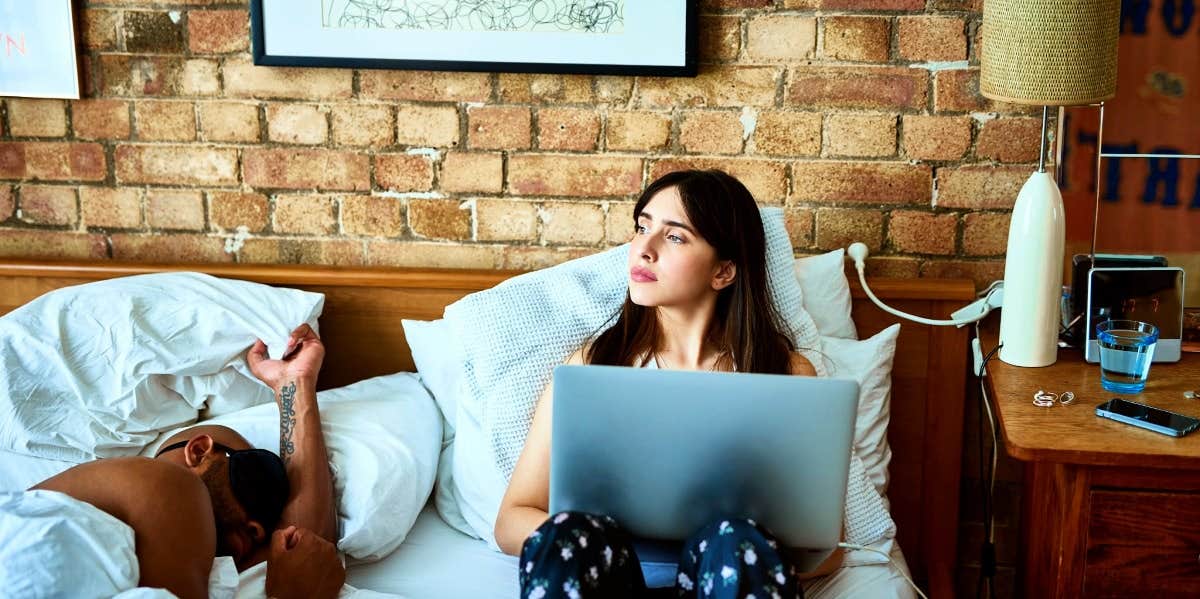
(302, 564)
(302, 359)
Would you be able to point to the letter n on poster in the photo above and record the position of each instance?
(37, 49)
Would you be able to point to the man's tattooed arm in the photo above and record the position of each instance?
(287, 421)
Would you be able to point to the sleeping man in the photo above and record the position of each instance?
(208, 493)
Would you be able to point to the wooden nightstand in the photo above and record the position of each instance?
(1107, 508)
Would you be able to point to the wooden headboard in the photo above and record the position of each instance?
(361, 330)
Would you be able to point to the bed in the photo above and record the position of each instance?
(929, 381)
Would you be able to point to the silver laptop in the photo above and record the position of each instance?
(665, 452)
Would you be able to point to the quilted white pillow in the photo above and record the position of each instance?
(383, 436)
(98, 370)
(515, 333)
(870, 363)
(827, 293)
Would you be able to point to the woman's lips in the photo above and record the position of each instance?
(642, 275)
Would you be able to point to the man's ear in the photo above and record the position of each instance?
(258, 534)
(196, 448)
(725, 274)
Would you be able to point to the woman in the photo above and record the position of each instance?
(698, 300)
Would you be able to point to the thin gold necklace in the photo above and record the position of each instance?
(658, 359)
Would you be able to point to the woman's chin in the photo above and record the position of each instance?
(644, 300)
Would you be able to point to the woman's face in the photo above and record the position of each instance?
(669, 263)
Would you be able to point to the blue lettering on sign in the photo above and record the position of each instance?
(1164, 172)
(1177, 15)
(1135, 13)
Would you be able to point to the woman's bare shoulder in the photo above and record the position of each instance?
(580, 355)
(799, 364)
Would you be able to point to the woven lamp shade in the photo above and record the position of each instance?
(1050, 52)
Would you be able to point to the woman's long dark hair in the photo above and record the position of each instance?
(746, 327)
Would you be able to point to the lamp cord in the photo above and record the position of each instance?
(987, 565)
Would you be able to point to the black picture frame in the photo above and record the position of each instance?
(688, 69)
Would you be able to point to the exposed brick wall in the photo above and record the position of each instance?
(861, 117)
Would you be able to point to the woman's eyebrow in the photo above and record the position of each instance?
(671, 223)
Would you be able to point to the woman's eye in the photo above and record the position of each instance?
(675, 238)
(639, 229)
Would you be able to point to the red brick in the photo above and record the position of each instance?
(7, 202)
(572, 223)
(372, 216)
(229, 121)
(99, 30)
(766, 179)
(506, 220)
(425, 86)
(788, 133)
(200, 77)
(891, 5)
(839, 227)
(440, 219)
(536, 258)
(100, 119)
(864, 39)
(433, 255)
(149, 32)
(326, 252)
(893, 267)
(923, 38)
(781, 37)
(363, 125)
(175, 209)
(618, 223)
(957, 90)
(427, 126)
(936, 137)
(714, 86)
(297, 124)
(52, 161)
(575, 129)
(1010, 140)
(218, 31)
(711, 132)
(42, 205)
(305, 214)
(985, 234)
(169, 249)
(861, 182)
(176, 165)
(871, 135)
(499, 127)
(614, 90)
(141, 75)
(473, 172)
(51, 244)
(404, 172)
(642, 131)
(244, 79)
(109, 207)
(980, 187)
(720, 38)
(165, 120)
(983, 272)
(799, 223)
(712, 5)
(871, 87)
(586, 176)
(545, 88)
(306, 169)
(230, 210)
(37, 118)
(919, 232)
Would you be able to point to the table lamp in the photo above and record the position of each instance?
(1043, 53)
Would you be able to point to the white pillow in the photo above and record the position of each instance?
(383, 436)
(515, 333)
(827, 293)
(93, 370)
(870, 363)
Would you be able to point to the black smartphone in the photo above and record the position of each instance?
(1147, 417)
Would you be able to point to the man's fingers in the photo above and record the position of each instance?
(279, 539)
(257, 353)
(294, 536)
(303, 332)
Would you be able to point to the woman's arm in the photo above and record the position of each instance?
(527, 499)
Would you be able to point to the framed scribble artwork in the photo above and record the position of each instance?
(37, 49)
(615, 37)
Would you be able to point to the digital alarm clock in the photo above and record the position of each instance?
(1153, 295)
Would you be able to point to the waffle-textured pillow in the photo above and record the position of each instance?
(514, 334)
(827, 293)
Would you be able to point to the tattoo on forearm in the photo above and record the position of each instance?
(287, 421)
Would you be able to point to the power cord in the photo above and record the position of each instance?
(987, 561)
(890, 562)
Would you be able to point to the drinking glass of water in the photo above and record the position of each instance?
(1126, 349)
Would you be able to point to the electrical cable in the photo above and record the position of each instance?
(988, 557)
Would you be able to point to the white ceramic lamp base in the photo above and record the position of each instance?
(1030, 318)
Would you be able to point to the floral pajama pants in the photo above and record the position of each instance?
(577, 555)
